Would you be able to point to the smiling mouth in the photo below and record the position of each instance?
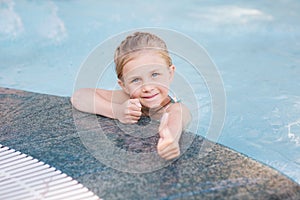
(150, 97)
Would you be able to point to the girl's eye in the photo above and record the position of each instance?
(136, 80)
(155, 74)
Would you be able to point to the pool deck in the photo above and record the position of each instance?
(46, 128)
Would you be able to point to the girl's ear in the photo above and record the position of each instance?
(172, 71)
(122, 85)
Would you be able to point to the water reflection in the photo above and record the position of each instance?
(11, 24)
(48, 25)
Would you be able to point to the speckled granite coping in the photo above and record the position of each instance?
(43, 126)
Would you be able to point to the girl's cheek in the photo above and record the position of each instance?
(133, 91)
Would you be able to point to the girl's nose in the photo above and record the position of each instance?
(147, 88)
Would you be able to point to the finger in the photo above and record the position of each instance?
(164, 147)
(137, 118)
(136, 102)
(169, 149)
(132, 117)
(169, 154)
(134, 107)
(133, 121)
(163, 122)
(135, 113)
(161, 146)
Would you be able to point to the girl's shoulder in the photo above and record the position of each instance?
(174, 104)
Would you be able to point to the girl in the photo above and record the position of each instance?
(145, 72)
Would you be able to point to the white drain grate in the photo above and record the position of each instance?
(26, 178)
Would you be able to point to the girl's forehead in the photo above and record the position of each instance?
(144, 60)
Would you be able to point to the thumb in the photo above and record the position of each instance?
(136, 102)
(163, 124)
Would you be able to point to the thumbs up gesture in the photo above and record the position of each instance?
(168, 143)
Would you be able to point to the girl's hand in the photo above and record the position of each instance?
(168, 143)
(129, 112)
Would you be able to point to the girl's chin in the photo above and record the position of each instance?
(151, 106)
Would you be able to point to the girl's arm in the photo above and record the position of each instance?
(173, 122)
(180, 113)
(114, 104)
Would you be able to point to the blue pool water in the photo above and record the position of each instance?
(254, 44)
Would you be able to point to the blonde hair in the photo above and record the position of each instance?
(137, 42)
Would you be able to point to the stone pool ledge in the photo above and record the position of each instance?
(43, 126)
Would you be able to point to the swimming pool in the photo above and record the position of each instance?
(255, 46)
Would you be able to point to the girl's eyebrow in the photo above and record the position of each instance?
(151, 72)
(156, 70)
(133, 77)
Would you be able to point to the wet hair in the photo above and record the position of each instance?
(136, 43)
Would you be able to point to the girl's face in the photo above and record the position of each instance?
(147, 77)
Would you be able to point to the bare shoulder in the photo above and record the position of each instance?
(116, 96)
(175, 107)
